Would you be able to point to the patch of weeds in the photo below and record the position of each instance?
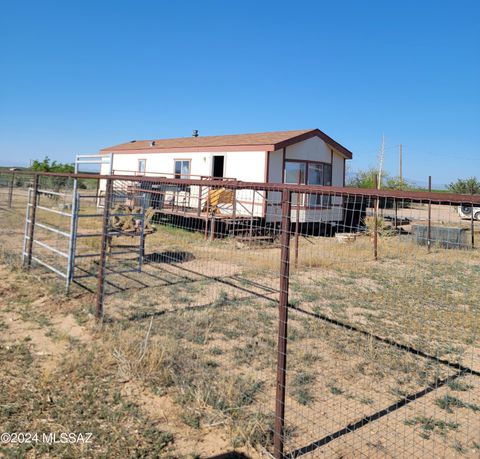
(254, 429)
(430, 425)
(309, 357)
(398, 392)
(455, 350)
(231, 333)
(293, 302)
(244, 355)
(366, 400)
(265, 318)
(215, 350)
(458, 447)
(294, 334)
(470, 339)
(309, 296)
(226, 394)
(199, 330)
(459, 386)
(211, 364)
(222, 299)
(334, 389)
(178, 295)
(52, 333)
(448, 402)
(301, 388)
(191, 419)
(81, 315)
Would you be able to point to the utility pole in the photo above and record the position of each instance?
(381, 156)
(401, 163)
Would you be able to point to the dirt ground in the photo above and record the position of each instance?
(60, 374)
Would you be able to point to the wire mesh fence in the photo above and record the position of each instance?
(310, 321)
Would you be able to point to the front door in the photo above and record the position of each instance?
(218, 166)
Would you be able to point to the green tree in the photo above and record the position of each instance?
(53, 183)
(396, 183)
(465, 186)
(363, 179)
(366, 179)
(46, 166)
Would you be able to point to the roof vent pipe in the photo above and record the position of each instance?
(152, 143)
(195, 133)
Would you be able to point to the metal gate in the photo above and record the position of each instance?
(58, 223)
(52, 253)
(57, 248)
(83, 229)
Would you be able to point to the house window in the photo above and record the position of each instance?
(295, 172)
(141, 165)
(311, 173)
(319, 174)
(182, 169)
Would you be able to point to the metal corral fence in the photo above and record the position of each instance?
(313, 321)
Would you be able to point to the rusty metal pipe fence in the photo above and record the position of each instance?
(359, 339)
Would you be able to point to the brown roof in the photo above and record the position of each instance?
(268, 141)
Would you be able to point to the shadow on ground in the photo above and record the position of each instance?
(168, 257)
(230, 455)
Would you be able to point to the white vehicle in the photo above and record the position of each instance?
(465, 211)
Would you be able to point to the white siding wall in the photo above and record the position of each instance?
(337, 176)
(275, 172)
(248, 166)
(337, 170)
(314, 149)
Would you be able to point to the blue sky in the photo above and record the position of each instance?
(79, 76)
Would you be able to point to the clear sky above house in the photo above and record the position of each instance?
(80, 76)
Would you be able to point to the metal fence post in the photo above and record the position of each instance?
(375, 221)
(73, 233)
(207, 208)
(472, 229)
(297, 220)
(103, 249)
(10, 191)
(199, 206)
(32, 214)
(278, 440)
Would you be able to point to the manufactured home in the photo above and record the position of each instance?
(303, 156)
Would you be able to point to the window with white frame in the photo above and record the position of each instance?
(182, 168)
(141, 166)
